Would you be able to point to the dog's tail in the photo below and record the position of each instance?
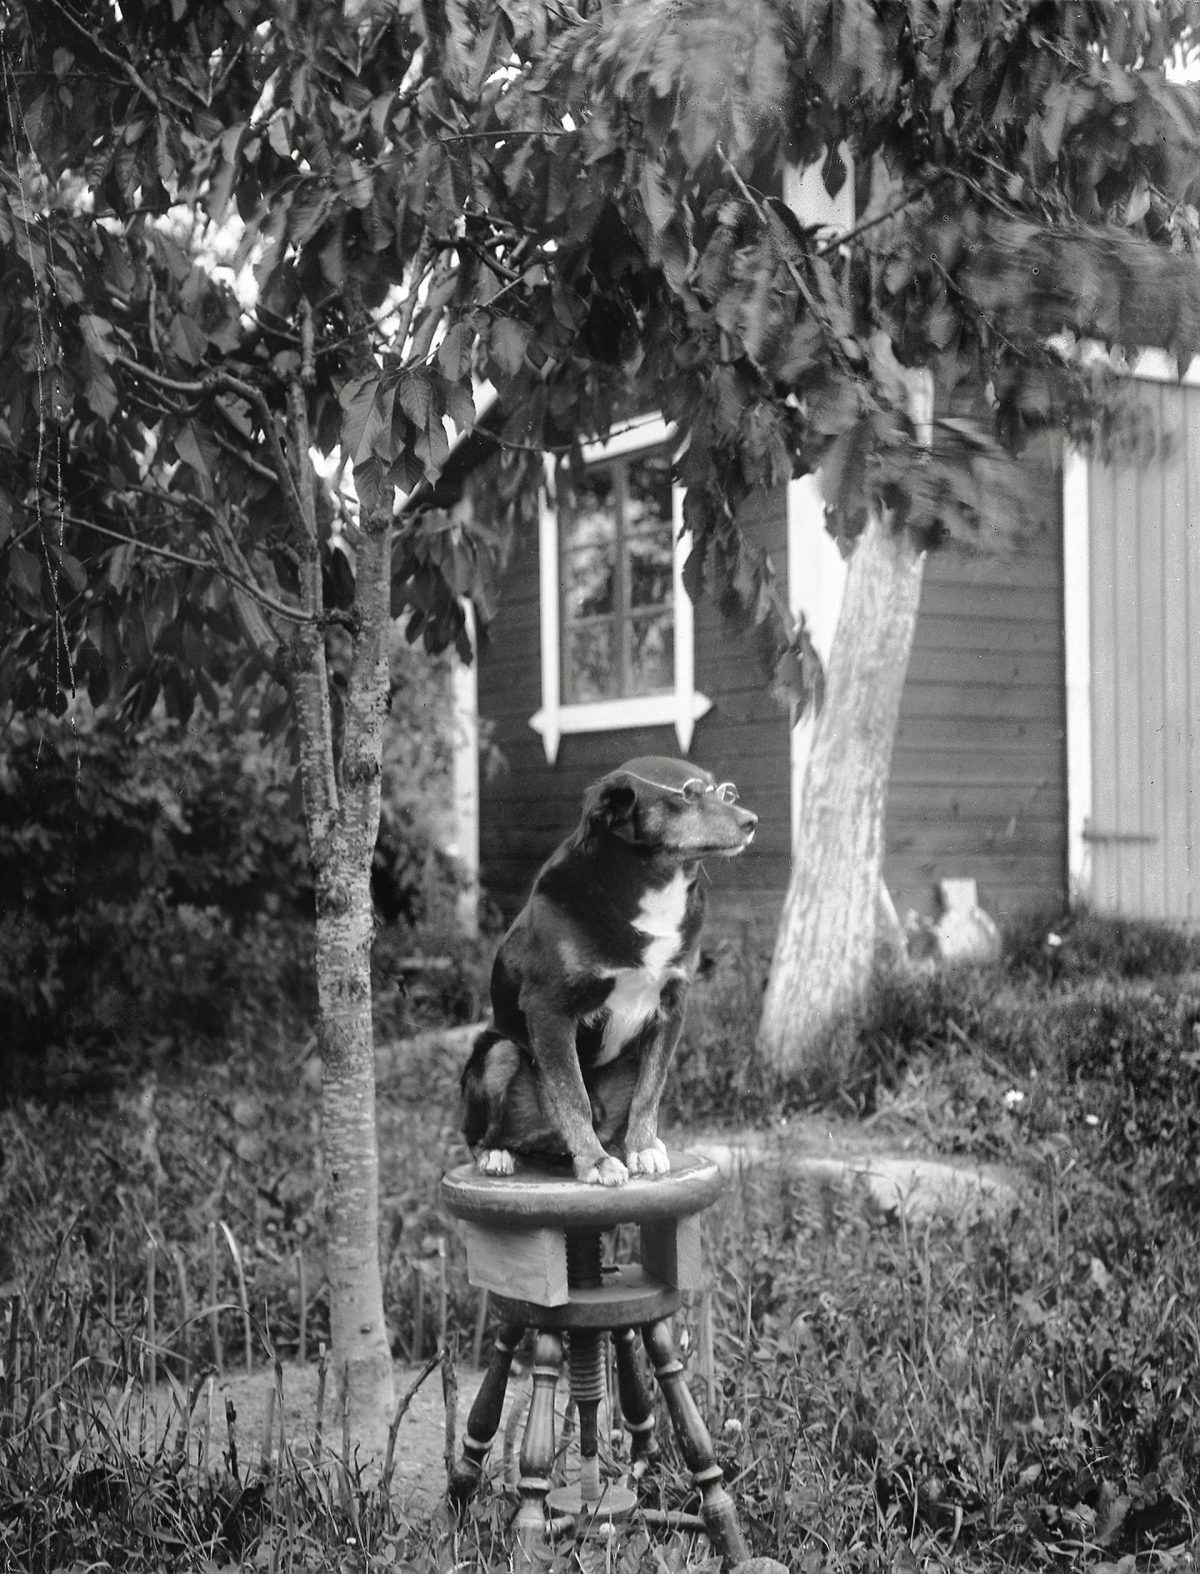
(493, 1063)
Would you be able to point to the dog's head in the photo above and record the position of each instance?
(670, 809)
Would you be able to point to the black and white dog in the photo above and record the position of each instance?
(589, 984)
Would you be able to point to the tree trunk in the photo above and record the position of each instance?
(345, 927)
(341, 810)
(360, 1349)
(826, 942)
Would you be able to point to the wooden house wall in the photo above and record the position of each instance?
(978, 783)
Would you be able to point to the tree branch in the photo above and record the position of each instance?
(902, 202)
(256, 465)
(242, 580)
(420, 263)
(214, 382)
(127, 70)
(258, 629)
(310, 677)
(794, 272)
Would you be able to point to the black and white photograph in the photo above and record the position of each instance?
(600, 786)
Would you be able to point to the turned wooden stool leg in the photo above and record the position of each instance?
(637, 1401)
(484, 1419)
(716, 1505)
(537, 1448)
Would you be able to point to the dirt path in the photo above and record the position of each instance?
(419, 1478)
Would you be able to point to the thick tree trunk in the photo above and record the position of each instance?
(826, 942)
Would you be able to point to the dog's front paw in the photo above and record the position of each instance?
(650, 1160)
(605, 1172)
(495, 1161)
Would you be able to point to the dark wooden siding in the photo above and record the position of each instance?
(978, 786)
(527, 806)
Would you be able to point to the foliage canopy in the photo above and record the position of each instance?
(564, 203)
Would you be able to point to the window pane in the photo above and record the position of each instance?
(590, 516)
(617, 575)
(649, 569)
(589, 666)
(588, 579)
(648, 493)
(652, 653)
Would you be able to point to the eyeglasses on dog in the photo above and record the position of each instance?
(693, 789)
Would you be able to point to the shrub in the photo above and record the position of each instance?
(717, 1076)
(160, 897)
(1082, 944)
(157, 892)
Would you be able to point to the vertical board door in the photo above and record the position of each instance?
(1144, 527)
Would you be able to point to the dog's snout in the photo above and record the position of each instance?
(748, 820)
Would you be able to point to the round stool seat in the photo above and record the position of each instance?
(541, 1196)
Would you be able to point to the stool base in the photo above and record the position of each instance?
(534, 1243)
(614, 1506)
(544, 1510)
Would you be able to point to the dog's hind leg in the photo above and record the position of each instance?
(490, 1072)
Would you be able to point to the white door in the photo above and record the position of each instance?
(1141, 836)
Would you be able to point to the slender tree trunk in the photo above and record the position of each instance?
(341, 809)
(826, 942)
(358, 1333)
(345, 926)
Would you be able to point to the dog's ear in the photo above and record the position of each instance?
(609, 805)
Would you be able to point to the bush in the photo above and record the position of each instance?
(1066, 947)
(158, 893)
(160, 898)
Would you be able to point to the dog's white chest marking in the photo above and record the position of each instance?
(635, 993)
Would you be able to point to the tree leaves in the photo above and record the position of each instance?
(367, 417)
(25, 571)
(189, 448)
(507, 343)
(619, 213)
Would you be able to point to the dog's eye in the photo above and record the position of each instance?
(692, 791)
(727, 792)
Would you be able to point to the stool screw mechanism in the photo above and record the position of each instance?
(585, 1356)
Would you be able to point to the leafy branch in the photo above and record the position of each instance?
(218, 382)
(125, 67)
(209, 565)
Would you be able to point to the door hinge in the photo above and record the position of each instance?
(1143, 837)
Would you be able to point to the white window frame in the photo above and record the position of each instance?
(680, 707)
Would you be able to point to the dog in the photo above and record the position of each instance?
(589, 984)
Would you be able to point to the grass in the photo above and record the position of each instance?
(984, 1394)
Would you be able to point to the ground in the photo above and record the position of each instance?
(895, 1174)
